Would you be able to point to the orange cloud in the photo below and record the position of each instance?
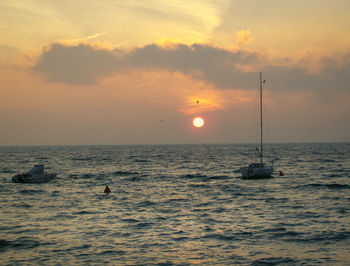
(208, 99)
(244, 37)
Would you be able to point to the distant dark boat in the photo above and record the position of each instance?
(36, 175)
(258, 169)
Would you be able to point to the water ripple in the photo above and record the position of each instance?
(176, 205)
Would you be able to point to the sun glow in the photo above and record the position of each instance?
(198, 122)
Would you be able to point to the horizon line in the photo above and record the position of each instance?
(173, 144)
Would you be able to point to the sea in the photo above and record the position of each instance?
(176, 205)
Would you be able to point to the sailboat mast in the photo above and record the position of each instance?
(261, 125)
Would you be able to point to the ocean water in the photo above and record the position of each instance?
(176, 205)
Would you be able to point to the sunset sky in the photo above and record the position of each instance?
(138, 72)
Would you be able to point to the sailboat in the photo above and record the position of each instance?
(258, 169)
(36, 175)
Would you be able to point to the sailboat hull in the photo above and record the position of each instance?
(253, 172)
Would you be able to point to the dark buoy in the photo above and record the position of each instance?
(281, 173)
(107, 190)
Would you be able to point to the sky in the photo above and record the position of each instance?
(84, 72)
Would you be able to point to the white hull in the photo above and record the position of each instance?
(36, 175)
(254, 171)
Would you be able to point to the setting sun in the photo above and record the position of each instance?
(198, 122)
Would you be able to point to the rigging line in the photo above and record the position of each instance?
(261, 122)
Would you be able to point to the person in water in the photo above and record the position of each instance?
(107, 190)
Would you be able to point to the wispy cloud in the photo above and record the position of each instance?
(151, 81)
(94, 36)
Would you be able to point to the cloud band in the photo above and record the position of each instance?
(84, 64)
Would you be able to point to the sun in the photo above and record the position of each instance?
(198, 121)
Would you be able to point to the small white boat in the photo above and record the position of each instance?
(260, 169)
(257, 170)
(36, 175)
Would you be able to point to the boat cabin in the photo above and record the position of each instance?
(256, 165)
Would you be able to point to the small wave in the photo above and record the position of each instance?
(300, 175)
(276, 229)
(141, 161)
(55, 193)
(335, 175)
(124, 173)
(286, 234)
(135, 178)
(5, 228)
(130, 220)
(174, 200)
(84, 212)
(307, 214)
(327, 161)
(199, 186)
(20, 243)
(22, 205)
(329, 236)
(273, 199)
(316, 152)
(275, 261)
(143, 225)
(337, 186)
(31, 191)
(219, 177)
(342, 210)
(69, 249)
(330, 186)
(101, 176)
(112, 252)
(219, 210)
(86, 176)
(313, 237)
(181, 238)
(191, 176)
(83, 158)
(63, 216)
(146, 203)
(231, 236)
(7, 171)
(220, 237)
(4, 244)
